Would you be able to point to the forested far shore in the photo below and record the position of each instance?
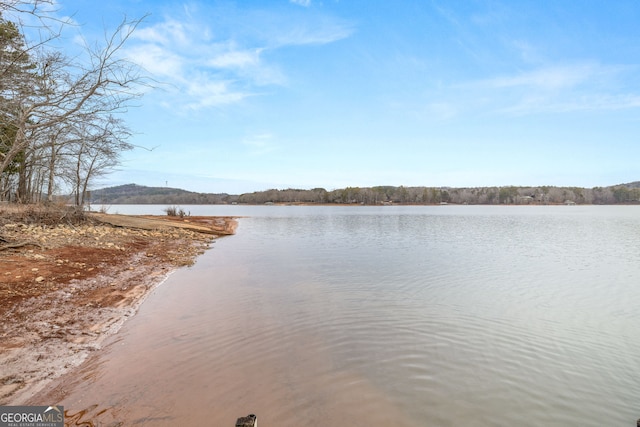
(379, 195)
(510, 195)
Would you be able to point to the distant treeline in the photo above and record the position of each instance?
(510, 195)
(623, 194)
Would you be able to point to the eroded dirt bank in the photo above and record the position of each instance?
(64, 288)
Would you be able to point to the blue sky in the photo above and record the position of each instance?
(252, 95)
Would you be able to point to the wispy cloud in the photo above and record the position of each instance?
(320, 32)
(207, 65)
(157, 60)
(594, 102)
(538, 82)
(305, 3)
(558, 77)
(236, 59)
(203, 93)
(568, 88)
(558, 88)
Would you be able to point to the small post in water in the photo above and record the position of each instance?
(248, 421)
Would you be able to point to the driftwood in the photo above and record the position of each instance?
(8, 244)
(18, 245)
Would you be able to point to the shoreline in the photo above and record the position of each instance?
(73, 286)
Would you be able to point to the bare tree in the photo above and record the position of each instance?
(97, 151)
(56, 93)
(33, 7)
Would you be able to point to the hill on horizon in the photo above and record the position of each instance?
(142, 195)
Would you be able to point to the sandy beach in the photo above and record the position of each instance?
(65, 287)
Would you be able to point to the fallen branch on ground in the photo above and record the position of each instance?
(18, 245)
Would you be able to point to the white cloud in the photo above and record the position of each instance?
(157, 60)
(204, 93)
(201, 73)
(549, 78)
(214, 62)
(546, 89)
(170, 31)
(305, 3)
(320, 31)
(236, 59)
(595, 102)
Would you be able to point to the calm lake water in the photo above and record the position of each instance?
(380, 316)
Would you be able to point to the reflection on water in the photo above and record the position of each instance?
(385, 316)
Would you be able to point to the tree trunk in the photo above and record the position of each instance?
(52, 164)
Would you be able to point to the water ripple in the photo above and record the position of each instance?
(400, 317)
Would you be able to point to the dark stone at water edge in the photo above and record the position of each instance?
(248, 421)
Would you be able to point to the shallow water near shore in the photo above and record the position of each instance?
(377, 316)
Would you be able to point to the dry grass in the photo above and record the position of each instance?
(42, 214)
